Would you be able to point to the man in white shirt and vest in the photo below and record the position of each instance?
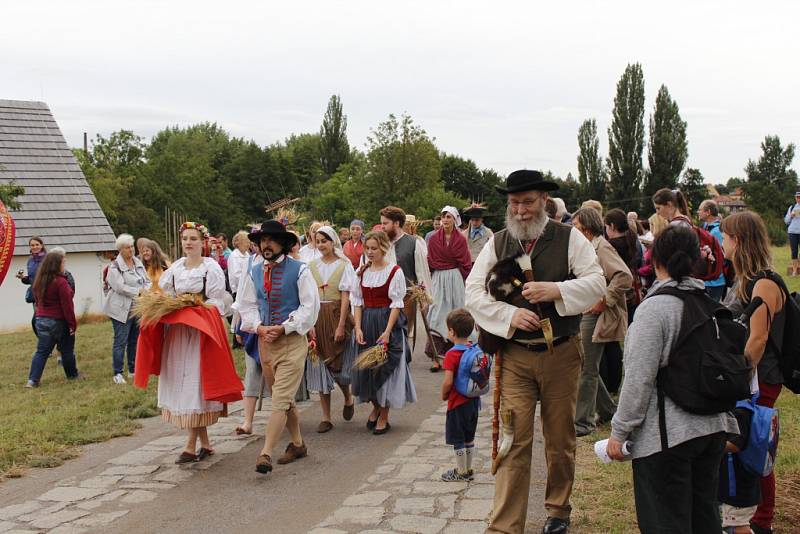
(411, 254)
(279, 301)
(567, 280)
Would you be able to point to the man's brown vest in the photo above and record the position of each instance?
(550, 262)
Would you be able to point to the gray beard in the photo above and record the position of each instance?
(528, 230)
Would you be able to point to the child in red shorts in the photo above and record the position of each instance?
(462, 412)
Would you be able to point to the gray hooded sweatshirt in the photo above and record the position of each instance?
(650, 339)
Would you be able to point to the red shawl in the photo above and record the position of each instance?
(442, 256)
(217, 372)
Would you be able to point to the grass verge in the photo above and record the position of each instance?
(603, 494)
(43, 427)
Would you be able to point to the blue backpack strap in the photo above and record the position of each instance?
(731, 476)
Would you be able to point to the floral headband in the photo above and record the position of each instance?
(189, 225)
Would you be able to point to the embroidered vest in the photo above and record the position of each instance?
(404, 250)
(378, 297)
(284, 297)
(550, 261)
(328, 290)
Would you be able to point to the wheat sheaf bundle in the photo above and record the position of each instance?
(372, 358)
(313, 355)
(420, 295)
(152, 306)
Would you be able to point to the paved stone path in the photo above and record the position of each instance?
(406, 494)
(82, 503)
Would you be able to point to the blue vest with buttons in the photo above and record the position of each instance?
(284, 298)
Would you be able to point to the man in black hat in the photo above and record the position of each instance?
(477, 233)
(279, 302)
(567, 279)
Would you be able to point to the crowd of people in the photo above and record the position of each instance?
(336, 309)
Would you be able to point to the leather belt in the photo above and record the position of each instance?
(540, 347)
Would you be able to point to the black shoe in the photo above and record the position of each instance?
(583, 432)
(371, 424)
(381, 431)
(556, 525)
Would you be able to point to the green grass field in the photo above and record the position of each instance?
(603, 495)
(43, 427)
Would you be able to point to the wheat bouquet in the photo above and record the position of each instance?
(373, 357)
(152, 306)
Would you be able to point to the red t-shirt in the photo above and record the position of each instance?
(451, 360)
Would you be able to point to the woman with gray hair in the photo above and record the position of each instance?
(604, 323)
(127, 279)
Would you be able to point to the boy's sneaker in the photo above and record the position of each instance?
(119, 379)
(31, 384)
(470, 475)
(454, 476)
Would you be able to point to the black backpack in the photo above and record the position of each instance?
(707, 371)
(788, 349)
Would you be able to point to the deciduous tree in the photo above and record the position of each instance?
(333, 146)
(626, 139)
(591, 176)
(667, 149)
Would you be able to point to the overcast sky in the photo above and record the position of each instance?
(506, 84)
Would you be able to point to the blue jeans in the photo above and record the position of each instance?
(52, 333)
(125, 335)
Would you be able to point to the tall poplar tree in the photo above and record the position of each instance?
(334, 148)
(590, 165)
(667, 149)
(626, 139)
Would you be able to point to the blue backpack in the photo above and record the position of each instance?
(758, 456)
(473, 377)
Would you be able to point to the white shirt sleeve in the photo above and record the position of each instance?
(247, 305)
(236, 264)
(167, 280)
(348, 277)
(397, 289)
(421, 265)
(302, 319)
(215, 285)
(489, 314)
(356, 295)
(589, 284)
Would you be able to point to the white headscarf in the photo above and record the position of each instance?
(333, 236)
(454, 212)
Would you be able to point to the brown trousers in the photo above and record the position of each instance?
(552, 379)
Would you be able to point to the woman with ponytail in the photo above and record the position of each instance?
(676, 488)
(671, 204)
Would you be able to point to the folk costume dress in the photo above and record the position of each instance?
(390, 384)
(450, 263)
(334, 359)
(188, 349)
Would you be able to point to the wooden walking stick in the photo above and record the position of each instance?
(498, 365)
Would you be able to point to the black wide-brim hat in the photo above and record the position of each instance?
(525, 180)
(273, 228)
(474, 212)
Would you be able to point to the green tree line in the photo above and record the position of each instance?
(204, 173)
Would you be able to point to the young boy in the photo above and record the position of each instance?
(740, 494)
(462, 412)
